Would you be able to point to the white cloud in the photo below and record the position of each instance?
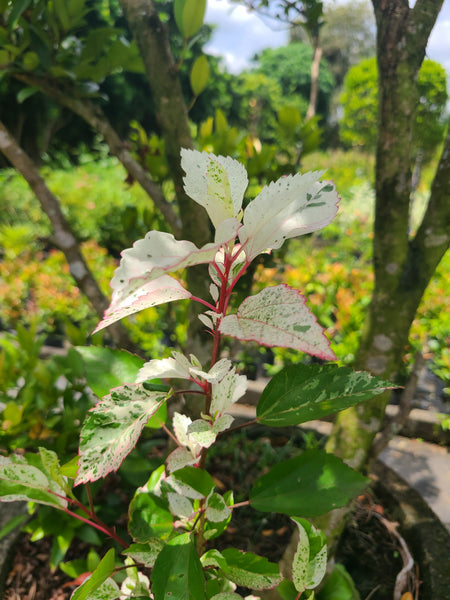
(239, 34)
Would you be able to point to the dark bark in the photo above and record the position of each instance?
(93, 114)
(315, 70)
(403, 267)
(63, 236)
(152, 38)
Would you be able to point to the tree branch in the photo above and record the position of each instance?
(96, 118)
(63, 237)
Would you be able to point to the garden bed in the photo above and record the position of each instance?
(367, 549)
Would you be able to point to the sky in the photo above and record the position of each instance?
(240, 34)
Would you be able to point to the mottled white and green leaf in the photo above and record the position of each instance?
(278, 316)
(112, 429)
(33, 477)
(217, 183)
(310, 559)
(289, 207)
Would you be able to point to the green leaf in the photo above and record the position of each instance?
(98, 577)
(107, 369)
(189, 15)
(300, 393)
(69, 469)
(149, 517)
(339, 586)
(26, 93)
(199, 75)
(178, 572)
(250, 570)
(112, 429)
(308, 485)
(30, 61)
(18, 7)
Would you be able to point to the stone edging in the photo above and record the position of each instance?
(8, 511)
(426, 536)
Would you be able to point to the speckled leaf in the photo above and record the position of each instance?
(112, 428)
(308, 485)
(250, 570)
(217, 183)
(88, 588)
(143, 294)
(278, 316)
(179, 458)
(178, 572)
(227, 391)
(180, 506)
(145, 553)
(300, 393)
(310, 559)
(292, 206)
(26, 478)
(216, 509)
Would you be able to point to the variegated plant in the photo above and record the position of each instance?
(175, 517)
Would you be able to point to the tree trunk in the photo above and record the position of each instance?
(63, 236)
(403, 266)
(315, 70)
(152, 38)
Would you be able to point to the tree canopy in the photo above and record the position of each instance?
(359, 99)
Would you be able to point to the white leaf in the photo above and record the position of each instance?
(216, 373)
(206, 321)
(217, 183)
(180, 426)
(222, 423)
(179, 458)
(227, 391)
(278, 316)
(155, 292)
(214, 291)
(158, 253)
(292, 206)
(164, 368)
(201, 434)
(180, 506)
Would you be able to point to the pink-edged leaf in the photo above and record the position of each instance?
(278, 316)
(217, 183)
(158, 253)
(289, 207)
(158, 291)
(112, 429)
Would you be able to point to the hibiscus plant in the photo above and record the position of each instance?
(176, 516)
